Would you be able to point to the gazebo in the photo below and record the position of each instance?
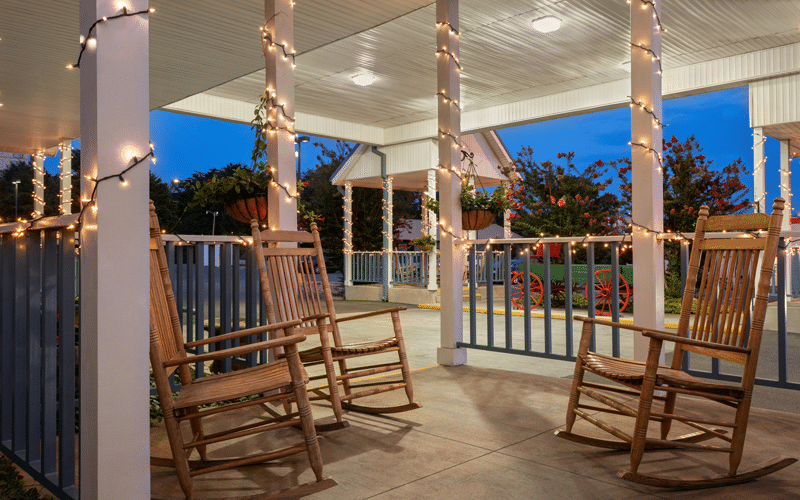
(382, 73)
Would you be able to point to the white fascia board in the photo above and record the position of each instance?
(775, 101)
(232, 110)
(729, 72)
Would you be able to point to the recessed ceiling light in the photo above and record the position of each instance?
(546, 24)
(364, 79)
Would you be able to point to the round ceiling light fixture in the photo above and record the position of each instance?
(546, 24)
(364, 79)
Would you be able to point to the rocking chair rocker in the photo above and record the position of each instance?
(289, 288)
(286, 377)
(723, 328)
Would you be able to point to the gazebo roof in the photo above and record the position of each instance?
(206, 60)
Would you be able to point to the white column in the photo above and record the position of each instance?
(432, 231)
(452, 257)
(507, 224)
(646, 151)
(759, 169)
(348, 233)
(38, 185)
(786, 184)
(279, 43)
(115, 417)
(786, 194)
(388, 231)
(66, 177)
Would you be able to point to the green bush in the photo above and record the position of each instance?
(12, 486)
(673, 305)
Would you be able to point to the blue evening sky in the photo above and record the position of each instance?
(719, 120)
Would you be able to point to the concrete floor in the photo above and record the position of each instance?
(485, 431)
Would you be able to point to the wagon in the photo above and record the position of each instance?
(603, 287)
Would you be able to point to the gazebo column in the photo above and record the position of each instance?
(114, 129)
(66, 177)
(279, 60)
(646, 148)
(432, 225)
(452, 258)
(388, 231)
(759, 160)
(507, 224)
(38, 184)
(348, 233)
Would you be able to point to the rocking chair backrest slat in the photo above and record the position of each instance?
(732, 278)
(164, 319)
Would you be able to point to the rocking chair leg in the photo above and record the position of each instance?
(577, 379)
(181, 461)
(198, 434)
(669, 408)
(738, 434)
(304, 408)
(645, 403)
(398, 333)
(330, 372)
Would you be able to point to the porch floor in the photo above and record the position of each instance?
(486, 433)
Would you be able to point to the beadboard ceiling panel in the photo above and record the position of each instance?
(212, 47)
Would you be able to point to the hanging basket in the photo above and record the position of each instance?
(247, 209)
(425, 248)
(475, 220)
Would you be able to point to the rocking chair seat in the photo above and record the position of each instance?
(631, 373)
(365, 347)
(234, 385)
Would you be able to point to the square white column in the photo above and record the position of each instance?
(65, 166)
(452, 257)
(348, 233)
(759, 169)
(37, 160)
(646, 154)
(432, 231)
(115, 299)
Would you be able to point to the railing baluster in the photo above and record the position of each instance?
(614, 297)
(49, 359)
(590, 292)
(32, 445)
(526, 298)
(66, 360)
(224, 301)
(7, 350)
(546, 295)
(473, 314)
(507, 293)
(568, 298)
(488, 261)
(783, 359)
(201, 250)
(20, 349)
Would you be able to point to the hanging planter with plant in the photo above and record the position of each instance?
(424, 243)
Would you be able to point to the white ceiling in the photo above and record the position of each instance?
(213, 47)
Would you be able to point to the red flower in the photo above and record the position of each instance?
(586, 214)
(305, 183)
(578, 196)
(552, 199)
(561, 203)
(672, 211)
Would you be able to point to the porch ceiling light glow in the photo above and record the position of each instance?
(546, 24)
(364, 79)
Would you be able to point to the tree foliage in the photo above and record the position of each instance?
(562, 199)
(689, 182)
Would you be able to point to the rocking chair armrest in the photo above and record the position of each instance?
(238, 351)
(371, 313)
(670, 337)
(244, 333)
(603, 322)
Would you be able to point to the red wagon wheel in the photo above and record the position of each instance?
(603, 292)
(518, 286)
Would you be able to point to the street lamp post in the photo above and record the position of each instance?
(300, 140)
(16, 197)
(213, 221)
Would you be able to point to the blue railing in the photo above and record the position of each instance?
(529, 287)
(410, 268)
(39, 352)
(367, 267)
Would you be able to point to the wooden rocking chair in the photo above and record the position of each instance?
(723, 328)
(285, 376)
(289, 288)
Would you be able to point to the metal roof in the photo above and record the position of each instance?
(212, 49)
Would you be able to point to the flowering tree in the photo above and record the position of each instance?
(562, 200)
(689, 182)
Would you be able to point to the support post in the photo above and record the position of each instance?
(759, 160)
(452, 257)
(432, 227)
(646, 154)
(507, 224)
(37, 161)
(388, 232)
(786, 194)
(114, 83)
(348, 233)
(278, 40)
(66, 177)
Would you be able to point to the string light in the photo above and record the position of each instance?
(651, 113)
(648, 148)
(453, 31)
(653, 55)
(449, 100)
(85, 41)
(267, 43)
(652, 5)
